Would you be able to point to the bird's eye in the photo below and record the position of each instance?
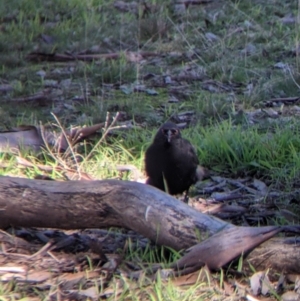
(166, 131)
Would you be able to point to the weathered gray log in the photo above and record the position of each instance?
(144, 209)
(108, 203)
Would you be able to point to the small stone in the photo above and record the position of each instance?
(41, 73)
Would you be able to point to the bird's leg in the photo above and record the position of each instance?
(166, 187)
(186, 197)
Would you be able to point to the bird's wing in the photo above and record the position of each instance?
(153, 158)
(192, 152)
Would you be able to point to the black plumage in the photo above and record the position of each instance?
(171, 160)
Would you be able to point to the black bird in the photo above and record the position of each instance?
(171, 161)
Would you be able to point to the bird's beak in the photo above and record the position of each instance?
(169, 136)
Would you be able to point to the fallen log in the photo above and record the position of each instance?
(142, 208)
(98, 204)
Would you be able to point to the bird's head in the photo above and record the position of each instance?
(169, 131)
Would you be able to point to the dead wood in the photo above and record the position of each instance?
(36, 137)
(279, 253)
(67, 57)
(285, 100)
(144, 209)
(225, 246)
(108, 203)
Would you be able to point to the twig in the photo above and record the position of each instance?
(61, 162)
(106, 131)
(68, 141)
(292, 76)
